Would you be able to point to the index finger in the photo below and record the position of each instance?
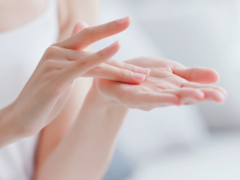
(90, 35)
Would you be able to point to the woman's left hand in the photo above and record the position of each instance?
(169, 83)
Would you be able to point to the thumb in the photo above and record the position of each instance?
(198, 74)
(79, 27)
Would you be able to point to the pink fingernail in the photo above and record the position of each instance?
(142, 70)
(112, 45)
(225, 92)
(122, 21)
(221, 97)
(139, 76)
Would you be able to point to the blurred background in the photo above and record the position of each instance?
(189, 142)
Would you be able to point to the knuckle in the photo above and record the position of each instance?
(100, 55)
(128, 66)
(191, 75)
(49, 65)
(122, 73)
(84, 54)
(52, 51)
(110, 26)
(81, 64)
(49, 77)
(110, 61)
(88, 33)
(98, 70)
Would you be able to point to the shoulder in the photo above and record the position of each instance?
(77, 10)
(73, 11)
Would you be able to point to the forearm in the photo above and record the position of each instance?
(10, 129)
(86, 150)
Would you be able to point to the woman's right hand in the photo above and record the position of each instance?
(60, 65)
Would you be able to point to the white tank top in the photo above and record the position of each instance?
(20, 51)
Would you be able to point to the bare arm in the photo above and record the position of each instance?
(70, 12)
(87, 148)
(84, 153)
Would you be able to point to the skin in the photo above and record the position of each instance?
(114, 90)
(169, 83)
(54, 76)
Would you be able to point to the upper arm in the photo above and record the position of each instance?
(70, 12)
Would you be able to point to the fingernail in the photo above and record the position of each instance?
(139, 76)
(225, 92)
(142, 70)
(202, 95)
(85, 25)
(222, 96)
(112, 45)
(122, 21)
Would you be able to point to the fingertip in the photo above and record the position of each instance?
(224, 92)
(214, 76)
(83, 24)
(142, 70)
(118, 45)
(219, 97)
(124, 22)
(198, 75)
(208, 76)
(114, 46)
(109, 51)
(129, 21)
(139, 77)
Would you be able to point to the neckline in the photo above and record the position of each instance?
(29, 23)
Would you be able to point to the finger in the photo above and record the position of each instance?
(54, 52)
(120, 93)
(199, 86)
(79, 27)
(152, 100)
(197, 74)
(186, 94)
(72, 55)
(90, 35)
(82, 66)
(211, 94)
(55, 65)
(129, 67)
(110, 72)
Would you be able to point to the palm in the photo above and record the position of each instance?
(169, 83)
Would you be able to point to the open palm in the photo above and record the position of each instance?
(169, 83)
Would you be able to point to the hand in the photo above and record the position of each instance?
(112, 69)
(169, 83)
(60, 65)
